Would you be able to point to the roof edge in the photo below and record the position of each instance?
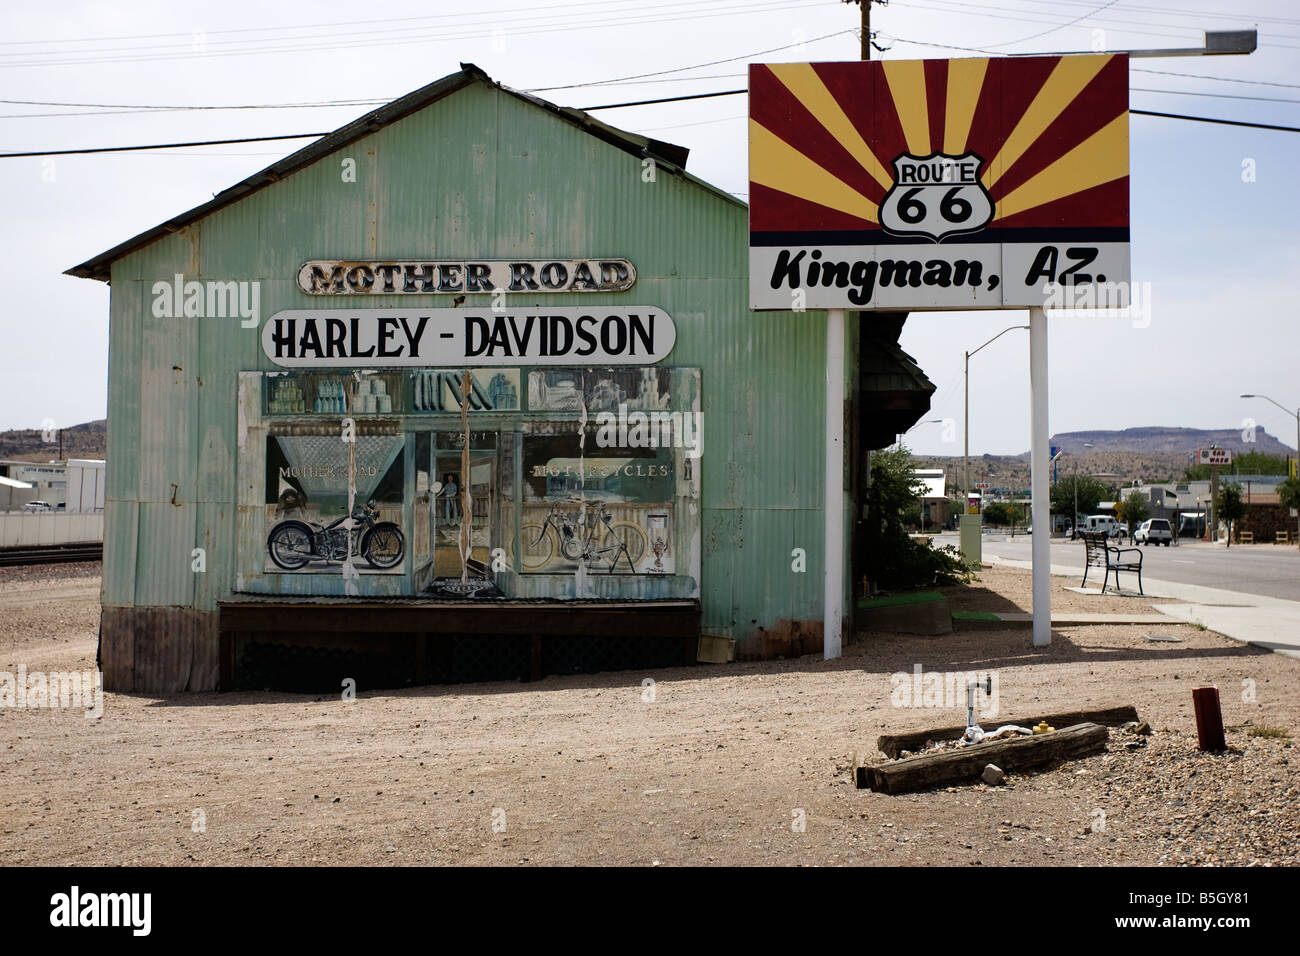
(671, 156)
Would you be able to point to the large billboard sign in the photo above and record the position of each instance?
(939, 184)
(1213, 456)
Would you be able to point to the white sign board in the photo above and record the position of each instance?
(437, 338)
(1214, 456)
(939, 184)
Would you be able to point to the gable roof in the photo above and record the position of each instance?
(667, 156)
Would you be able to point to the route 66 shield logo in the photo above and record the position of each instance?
(937, 195)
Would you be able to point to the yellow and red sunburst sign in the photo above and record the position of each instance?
(939, 184)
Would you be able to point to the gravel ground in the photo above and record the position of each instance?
(730, 764)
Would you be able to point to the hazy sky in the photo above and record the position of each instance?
(1219, 253)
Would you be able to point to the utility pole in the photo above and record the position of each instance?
(864, 7)
(965, 437)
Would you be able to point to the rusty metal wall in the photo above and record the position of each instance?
(484, 174)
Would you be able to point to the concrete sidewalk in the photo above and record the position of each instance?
(1269, 623)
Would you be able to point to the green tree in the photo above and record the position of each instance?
(999, 514)
(1091, 491)
(1133, 510)
(895, 489)
(894, 560)
(1288, 493)
(1229, 507)
(1258, 463)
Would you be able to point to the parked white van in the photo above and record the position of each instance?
(1107, 523)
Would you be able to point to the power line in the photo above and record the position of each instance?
(607, 106)
(1221, 79)
(603, 4)
(1217, 96)
(665, 99)
(709, 122)
(1222, 122)
(126, 149)
(697, 66)
(155, 106)
(1033, 16)
(1181, 13)
(310, 104)
(141, 111)
(695, 11)
(106, 109)
(1091, 13)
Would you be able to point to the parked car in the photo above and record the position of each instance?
(38, 506)
(1108, 524)
(1155, 530)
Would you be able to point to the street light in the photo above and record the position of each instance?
(1297, 434)
(1296, 413)
(924, 421)
(965, 458)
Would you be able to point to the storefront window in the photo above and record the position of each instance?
(307, 495)
(563, 471)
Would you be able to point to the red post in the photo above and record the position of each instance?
(1209, 719)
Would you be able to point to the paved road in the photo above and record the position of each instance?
(1262, 569)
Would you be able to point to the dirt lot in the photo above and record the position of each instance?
(719, 765)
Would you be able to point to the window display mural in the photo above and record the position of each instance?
(307, 479)
(599, 389)
(554, 483)
(610, 511)
(440, 390)
(483, 482)
(334, 393)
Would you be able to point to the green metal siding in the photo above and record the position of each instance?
(482, 174)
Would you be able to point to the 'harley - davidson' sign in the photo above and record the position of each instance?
(446, 277)
(456, 338)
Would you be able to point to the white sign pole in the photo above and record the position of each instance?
(834, 558)
(1040, 467)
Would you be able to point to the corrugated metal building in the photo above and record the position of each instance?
(216, 441)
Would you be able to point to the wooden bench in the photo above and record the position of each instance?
(1099, 554)
(1282, 538)
(1245, 537)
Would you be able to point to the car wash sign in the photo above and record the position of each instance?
(455, 338)
(1213, 456)
(939, 184)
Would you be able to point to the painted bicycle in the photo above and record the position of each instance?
(292, 544)
(582, 531)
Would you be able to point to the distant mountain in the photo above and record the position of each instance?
(1151, 454)
(1155, 439)
(87, 440)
